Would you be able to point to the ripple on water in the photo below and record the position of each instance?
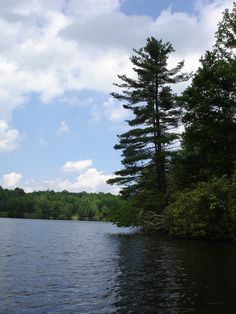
(85, 267)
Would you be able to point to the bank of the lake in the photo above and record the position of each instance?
(92, 267)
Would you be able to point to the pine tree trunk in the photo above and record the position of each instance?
(159, 157)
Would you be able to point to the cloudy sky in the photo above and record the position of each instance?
(58, 60)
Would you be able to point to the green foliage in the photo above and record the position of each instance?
(209, 140)
(60, 205)
(208, 145)
(226, 34)
(124, 214)
(207, 211)
(186, 192)
(155, 113)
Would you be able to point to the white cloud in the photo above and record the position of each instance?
(85, 8)
(49, 47)
(91, 180)
(9, 138)
(109, 31)
(63, 128)
(114, 110)
(187, 32)
(75, 166)
(111, 110)
(10, 180)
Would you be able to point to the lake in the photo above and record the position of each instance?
(91, 267)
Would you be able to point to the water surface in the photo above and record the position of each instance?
(89, 267)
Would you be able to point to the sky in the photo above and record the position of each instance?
(58, 62)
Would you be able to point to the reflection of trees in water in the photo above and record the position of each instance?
(147, 276)
(210, 276)
(166, 276)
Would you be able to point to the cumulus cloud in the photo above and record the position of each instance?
(113, 31)
(114, 110)
(111, 110)
(90, 180)
(189, 33)
(85, 8)
(49, 47)
(10, 180)
(75, 166)
(9, 138)
(63, 128)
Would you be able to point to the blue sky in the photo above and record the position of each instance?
(58, 60)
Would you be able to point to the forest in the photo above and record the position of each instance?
(180, 183)
(57, 205)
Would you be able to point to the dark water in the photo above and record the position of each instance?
(85, 267)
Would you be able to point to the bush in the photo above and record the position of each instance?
(208, 211)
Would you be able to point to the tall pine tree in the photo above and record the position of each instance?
(147, 146)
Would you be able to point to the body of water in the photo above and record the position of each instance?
(91, 267)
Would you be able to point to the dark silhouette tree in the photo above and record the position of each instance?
(147, 146)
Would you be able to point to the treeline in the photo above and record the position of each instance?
(58, 205)
(181, 184)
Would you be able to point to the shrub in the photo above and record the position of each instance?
(208, 211)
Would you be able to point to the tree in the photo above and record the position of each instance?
(147, 146)
(209, 141)
(207, 211)
(226, 35)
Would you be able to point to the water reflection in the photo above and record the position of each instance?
(84, 267)
(158, 275)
